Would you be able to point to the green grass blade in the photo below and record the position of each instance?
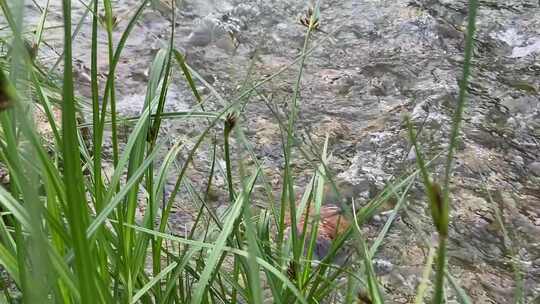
(64, 274)
(422, 287)
(373, 284)
(319, 192)
(463, 84)
(401, 201)
(265, 264)
(112, 70)
(124, 159)
(7, 14)
(187, 74)
(98, 183)
(47, 107)
(136, 158)
(39, 29)
(216, 253)
(9, 263)
(120, 196)
(510, 248)
(155, 280)
(462, 296)
(111, 79)
(73, 178)
(73, 36)
(15, 208)
(150, 215)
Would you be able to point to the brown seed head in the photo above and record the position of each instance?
(230, 122)
(306, 20)
(6, 98)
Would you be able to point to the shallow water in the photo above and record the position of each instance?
(381, 60)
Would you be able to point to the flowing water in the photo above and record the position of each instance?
(374, 62)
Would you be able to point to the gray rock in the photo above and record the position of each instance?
(382, 266)
(534, 168)
(518, 160)
(412, 155)
(200, 37)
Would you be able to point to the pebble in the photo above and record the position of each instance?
(518, 160)
(534, 168)
(382, 267)
(412, 155)
(200, 37)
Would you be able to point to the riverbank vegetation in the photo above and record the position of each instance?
(70, 230)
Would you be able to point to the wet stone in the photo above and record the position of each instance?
(534, 168)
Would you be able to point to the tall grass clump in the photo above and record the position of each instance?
(69, 230)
